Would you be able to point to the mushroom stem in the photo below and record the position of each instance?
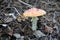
(34, 23)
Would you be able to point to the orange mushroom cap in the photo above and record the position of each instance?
(33, 12)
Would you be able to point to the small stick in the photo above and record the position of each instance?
(26, 4)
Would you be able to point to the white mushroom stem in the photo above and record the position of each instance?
(34, 23)
(12, 14)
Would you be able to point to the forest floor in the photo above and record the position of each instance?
(19, 25)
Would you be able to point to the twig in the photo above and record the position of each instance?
(16, 10)
(46, 18)
(36, 3)
(25, 4)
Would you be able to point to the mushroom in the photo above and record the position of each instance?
(34, 13)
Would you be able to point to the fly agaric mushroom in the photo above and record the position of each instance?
(34, 12)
